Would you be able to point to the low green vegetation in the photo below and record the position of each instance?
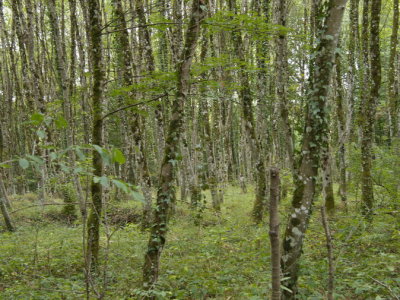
(225, 257)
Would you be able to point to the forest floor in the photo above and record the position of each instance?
(226, 257)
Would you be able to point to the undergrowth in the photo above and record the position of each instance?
(225, 257)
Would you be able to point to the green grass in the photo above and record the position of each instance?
(226, 257)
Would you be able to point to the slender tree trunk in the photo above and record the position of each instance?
(314, 139)
(327, 180)
(369, 110)
(249, 124)
(281, 83)
(331, 268)
(352, 71)
(342, 132)
(166, 191)
(393, 91)
(274, 233)
(95, 52)
(3, 206)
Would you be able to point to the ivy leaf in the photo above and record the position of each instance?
(23, 163)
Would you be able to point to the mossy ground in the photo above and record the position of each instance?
(226, 257)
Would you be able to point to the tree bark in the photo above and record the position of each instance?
(393, 91)
(331, 268)
(274, 233)
(342, 132)
(369, 111)
(250, 125)
(3, 205)
(95, 52)
(166, 191)
(314, 140)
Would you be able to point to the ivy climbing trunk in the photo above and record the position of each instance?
(393, 91)
(341, 129)
(314, 140)
(95, 52)
(166, 191)
(369, 111)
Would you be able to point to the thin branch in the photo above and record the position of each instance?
(133, 105)
(139, 26)
(387, 287)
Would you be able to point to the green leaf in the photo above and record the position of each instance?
(121, 185)
(40, 133)
(53, 155)
(61, 123)
(78, 170)
(36, 159)
(137, 196)
(37, 118)
(128, 189)
(118, 156)
(103, 180)
(80, 154)
(104, 154)
(23, 163)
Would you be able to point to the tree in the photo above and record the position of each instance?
(314, 141)
(392, 91)
(250, 124)
(95, 52)
(369, 108)
(166, 192)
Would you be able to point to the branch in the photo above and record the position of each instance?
(133, 105)
(139, 26)
(387, 287)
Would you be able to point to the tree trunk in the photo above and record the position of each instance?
(342, 131)
(369, 111)
(393, 91)
(314, 139)
(95, 51)
(327, 180)
(274, 233)
(166, 191)
(281, 83)
(249, 124)
(3, 205)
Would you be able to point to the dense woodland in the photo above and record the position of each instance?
(199, 149)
